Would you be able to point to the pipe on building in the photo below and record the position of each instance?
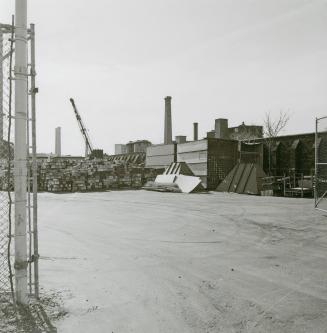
(195, 132)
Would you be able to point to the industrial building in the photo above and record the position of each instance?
(213, 157)
(241, 132)
(120, 149)
(161, 156)
(245, 132)
(289, 154)
(251, 152)
(138, 146)
(210, 158)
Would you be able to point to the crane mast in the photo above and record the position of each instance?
(88, 144)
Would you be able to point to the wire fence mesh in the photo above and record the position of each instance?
(321, 164)
(6, 159)
(7, 138)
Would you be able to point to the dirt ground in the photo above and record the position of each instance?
(137, 261)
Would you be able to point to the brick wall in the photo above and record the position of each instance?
(289, 154)
(222, 157)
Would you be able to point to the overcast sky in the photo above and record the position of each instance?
(235, 59)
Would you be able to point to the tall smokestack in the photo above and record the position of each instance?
(195, 131)
(58, 141)
(168, 137)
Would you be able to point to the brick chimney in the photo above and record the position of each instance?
(221, 128)
(168, 138)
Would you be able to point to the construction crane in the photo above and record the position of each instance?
(88, 144)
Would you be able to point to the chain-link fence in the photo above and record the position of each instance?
(7, 135)
(321, 164)
(6, 158)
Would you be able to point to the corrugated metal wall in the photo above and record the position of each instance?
(195, 154)
(160, 156)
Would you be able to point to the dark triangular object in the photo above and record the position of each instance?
(244, 178)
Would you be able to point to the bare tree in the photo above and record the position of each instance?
(272, 128)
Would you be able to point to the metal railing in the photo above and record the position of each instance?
(320, 180)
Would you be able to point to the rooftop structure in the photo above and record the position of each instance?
(138, 146)
(241, 132)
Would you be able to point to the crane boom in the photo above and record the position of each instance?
(82, 127)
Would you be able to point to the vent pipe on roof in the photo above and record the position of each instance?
(195, 131)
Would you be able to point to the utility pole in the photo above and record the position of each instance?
(20, 161)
